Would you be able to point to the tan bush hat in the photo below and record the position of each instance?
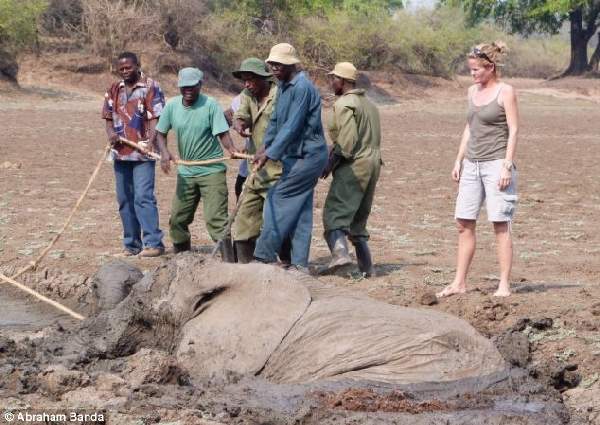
(283, 53)
(345, 70)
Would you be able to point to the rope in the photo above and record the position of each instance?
(156, 156)
(41, 297)
(33, 264)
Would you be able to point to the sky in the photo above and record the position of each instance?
(416, 4)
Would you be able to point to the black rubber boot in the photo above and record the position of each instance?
(181, 247)
(363, 257)
(338, 245)
(226, 250)
(285, 252)
(244, 250)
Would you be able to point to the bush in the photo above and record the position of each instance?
(536, 57)
(18, 30)
(219, 34)
(111, 25)
(62, 17)
(18, 22)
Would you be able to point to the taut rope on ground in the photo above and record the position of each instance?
(33, 264)
(41, 297)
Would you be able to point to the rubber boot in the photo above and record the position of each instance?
(244, 250)
(226, 250)
(363, 257)
(181, 247)
(285, 253)
(338, 245)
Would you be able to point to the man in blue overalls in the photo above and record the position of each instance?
(294, 137)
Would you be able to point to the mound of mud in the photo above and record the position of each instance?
(215, 340)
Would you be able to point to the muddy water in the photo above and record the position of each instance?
(21, 313)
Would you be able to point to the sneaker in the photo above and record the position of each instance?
(152, 252)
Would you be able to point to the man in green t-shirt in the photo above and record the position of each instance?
(199, 124)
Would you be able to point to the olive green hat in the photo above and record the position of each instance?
(254, 66)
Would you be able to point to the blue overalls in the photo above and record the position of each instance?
(295, 137)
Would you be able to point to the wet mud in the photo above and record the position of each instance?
(127, 360)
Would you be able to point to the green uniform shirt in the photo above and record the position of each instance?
(196, 128)
(356, 133)
(250, 214)
(256, 116)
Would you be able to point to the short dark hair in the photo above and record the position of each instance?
(129, 55)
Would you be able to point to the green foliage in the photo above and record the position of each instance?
(301, 8)
(523, 16)
(18, 22)
(428, 42)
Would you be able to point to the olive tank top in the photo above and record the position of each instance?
(489, 130)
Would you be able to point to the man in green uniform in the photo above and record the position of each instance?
(355, 161)
(251, 120)
(199, 124)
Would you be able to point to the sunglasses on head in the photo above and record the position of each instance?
(480, 54)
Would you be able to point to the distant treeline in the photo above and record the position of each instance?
(374, 35)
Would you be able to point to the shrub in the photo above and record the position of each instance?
(62, 17)
(18, 30)
(111, 25)
(18, 22)
(218, 34)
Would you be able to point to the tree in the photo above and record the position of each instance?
(18, 29)
(528, 16)
(18, 21)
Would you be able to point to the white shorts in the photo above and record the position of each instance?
(478, 183)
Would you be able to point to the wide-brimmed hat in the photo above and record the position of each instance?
(345, 70)
(253, 66)
(189, 77)
(283, 53)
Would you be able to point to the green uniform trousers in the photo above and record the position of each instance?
(248, 221)
(349, 202)
(212, 189)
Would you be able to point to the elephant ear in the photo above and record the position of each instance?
(236, 326)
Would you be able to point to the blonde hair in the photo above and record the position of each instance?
(490, 53)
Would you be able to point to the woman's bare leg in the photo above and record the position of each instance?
(505, 256)
(466, 251)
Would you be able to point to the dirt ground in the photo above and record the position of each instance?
(54, 137)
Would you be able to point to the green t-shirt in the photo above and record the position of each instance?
(196, 128)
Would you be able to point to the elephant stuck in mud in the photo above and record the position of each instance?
(288, 328)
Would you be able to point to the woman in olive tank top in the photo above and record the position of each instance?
(484, 166)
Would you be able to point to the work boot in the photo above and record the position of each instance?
(338, 245)
(285, 252)
(226, 249)
(363, 257)
(152, 252)
(181, 247)
(244, 250)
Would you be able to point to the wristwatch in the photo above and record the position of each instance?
(508, 165)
